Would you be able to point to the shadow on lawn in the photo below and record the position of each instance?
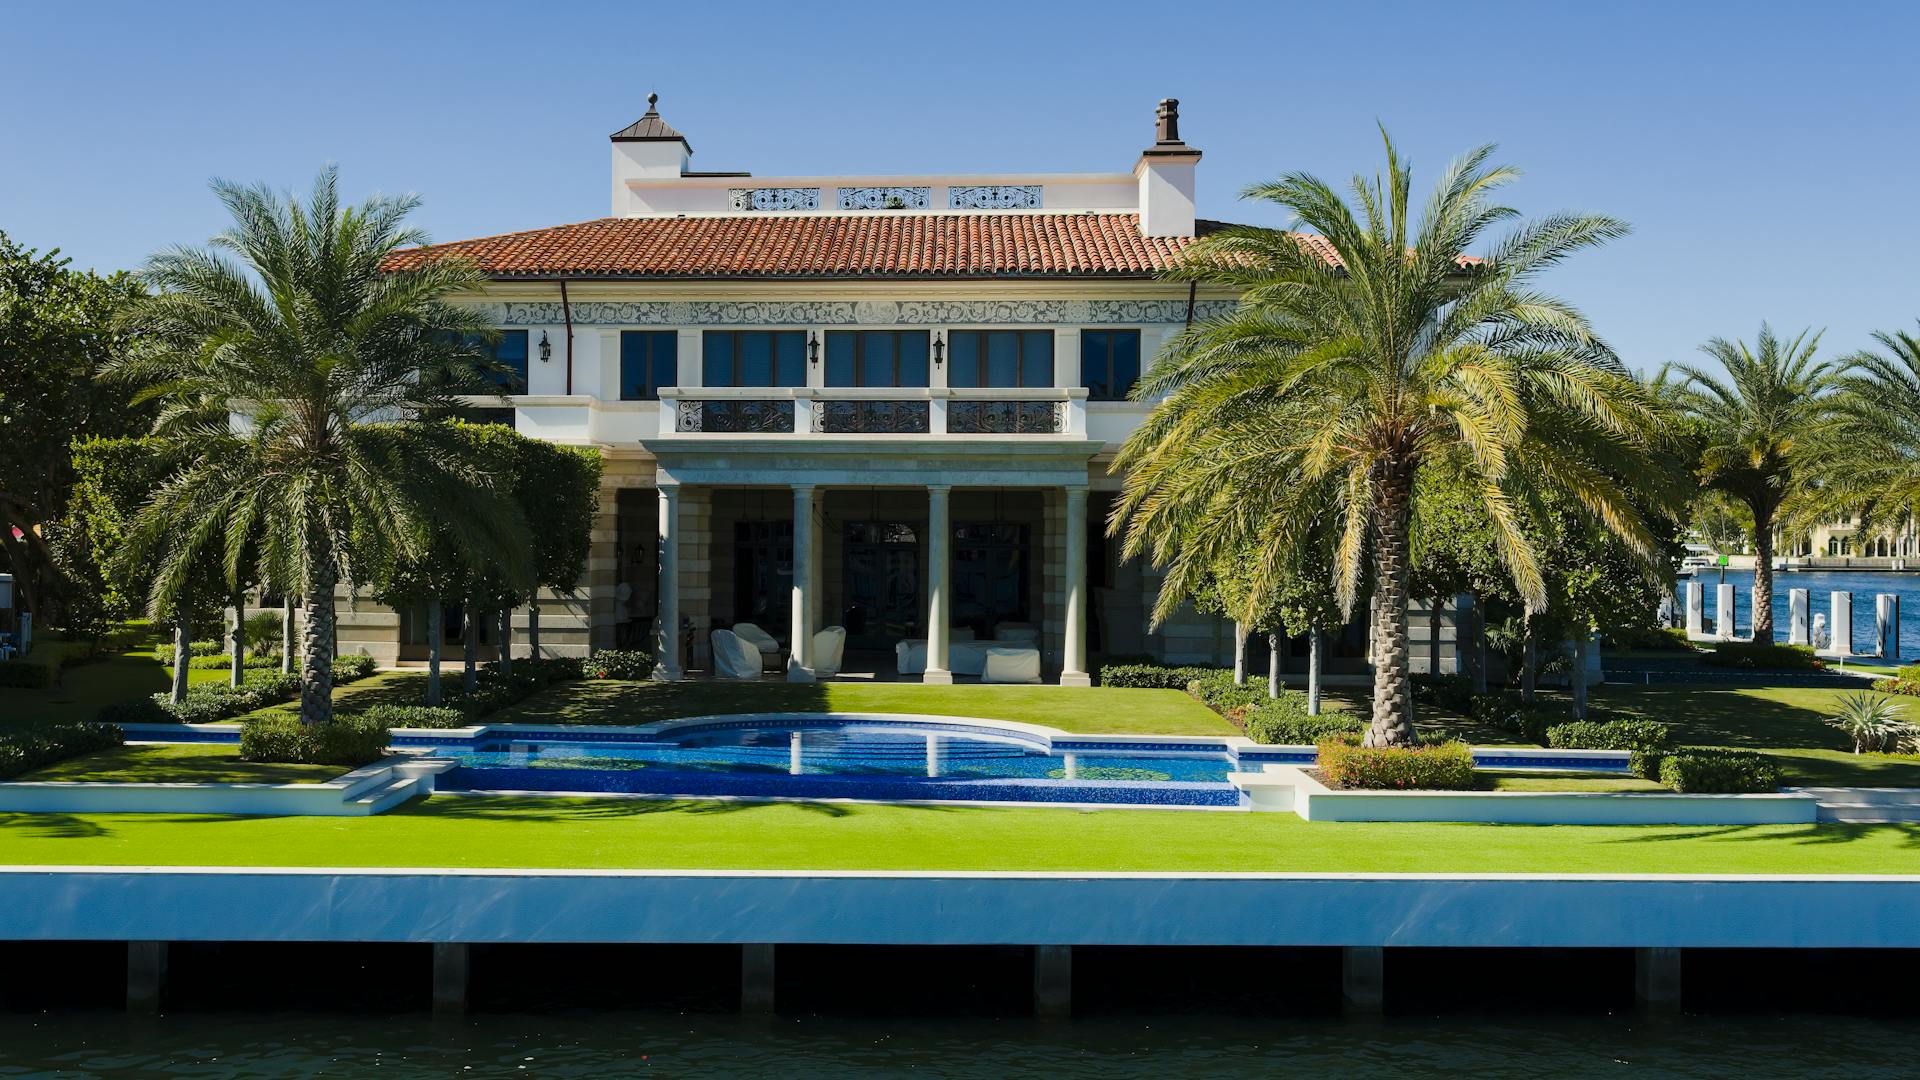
(523, 809)
(52, 827)
(613, 702)
(1825, 833)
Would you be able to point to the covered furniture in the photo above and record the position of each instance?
(759, 639)
(1011, 664)
(963, 657)
(1016, 632)
(734, 658)
(828, 645)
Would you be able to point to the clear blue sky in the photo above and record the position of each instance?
(1766, 154)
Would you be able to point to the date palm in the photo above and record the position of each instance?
(1863, 457)
(1333, 383)
(336, 369)
(1752, 424)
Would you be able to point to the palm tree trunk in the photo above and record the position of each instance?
(317, 644)
(1434, 611)
(470, 649)
(286, 634)
(506, 640)
(1476, 645)
(1313, 671)
(1580, 637)
(1273, 663)
(1392, 690)
(181, 652)
(533, 626)
(239, 646)
(1529, 662)
(434, 630)
(1239, 653)
(1763, 576)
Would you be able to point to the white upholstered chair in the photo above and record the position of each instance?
(759, 639)
(828, 645)
(1011, 664)
(734, 658)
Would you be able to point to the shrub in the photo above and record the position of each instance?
(24, 749)
(1149, 676)
(212, 704)
(1762, 656)
(348, 669)
(1910, 673)
(1903, 685)
(251, 661)
(616, 664)
(1508, 711)
(566, 668)
(1444, 766)
(1871, 721)
(1217, 689)
(414, 716)
(196, 648)
(1645, 764)
(140, 710)
(1284, 721)
(1729, 772)
(1659, 637)
(1609, 735)
(351, 740)
(27, 674)
(1451, 692)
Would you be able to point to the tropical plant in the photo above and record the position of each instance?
(334, 364)
(1358, 357)
(1873, 722)
(1864, 456)
(1751, 424)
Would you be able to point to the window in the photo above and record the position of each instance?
(1000, 358)
(754, 358)
(1109, 363)
(876, 358)
(649, 360)
(509, 351)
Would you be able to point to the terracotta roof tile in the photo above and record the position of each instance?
(827, 246)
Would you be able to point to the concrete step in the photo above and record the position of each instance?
(1868, 813)
(1866, 796)
(389, 795)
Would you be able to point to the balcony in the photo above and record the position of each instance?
(1016, 412)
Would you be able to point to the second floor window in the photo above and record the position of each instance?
(754, 358)
(876, 358)
(1109, 363)
(1000, 358)
(649, 360)
(509, 351)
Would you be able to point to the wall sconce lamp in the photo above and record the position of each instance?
(939, 348)
(546, 348)
(813, 347)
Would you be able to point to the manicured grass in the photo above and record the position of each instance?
(1489, 781)
(180, 763)
(466, 831)
(1085, 710)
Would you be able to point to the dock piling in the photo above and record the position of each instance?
(757, 979)
(146, 975)
(1053, 981)
(1363, 979)
(450, 967)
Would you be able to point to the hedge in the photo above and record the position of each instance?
(1609, 735)
(1762, 656)
(414, 716)
(350, 740)
(495, 690)
(1446, 766)
(1910, 673)
(1152, 676)
(1451, 692)
(1902, 685)
(1217, 689)
(251, 662)
(27, 674)
(25, 749)
(212, 704)
(617, 664)
(1284, 721)
(1736, 772)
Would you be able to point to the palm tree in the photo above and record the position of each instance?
(336, 368)
(1752, 424)
(1864, 455)
(1356, 358)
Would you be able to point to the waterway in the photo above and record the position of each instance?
(1821, 585)
(603, 1044)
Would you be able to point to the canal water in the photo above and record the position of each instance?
(602, 1045)
(1820, 585)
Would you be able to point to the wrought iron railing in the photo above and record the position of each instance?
(740, 416)
(860, 417)
(1006, 417)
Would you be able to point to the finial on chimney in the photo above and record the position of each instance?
(1167, 130)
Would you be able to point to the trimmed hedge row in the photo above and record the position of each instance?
(414, 716)
(1902, 685)
(1726, 772)
(1609, 735)
(1152, 676)
(1762, 656)
(351, 740)
(1442, 766)
(250, 661)
(1217, 689)
(212, 704)
(612, 664)
(1284, 721)
(23, 750)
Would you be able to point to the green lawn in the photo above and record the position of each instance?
(467, 831)
(1096, 710)
(1496, 781)
(180, 763)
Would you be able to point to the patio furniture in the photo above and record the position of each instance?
(828, 645)
(759, 639)
(1016, 632)
(735, 658)
(1011, 664)
(963, 657)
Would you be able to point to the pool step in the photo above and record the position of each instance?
(1866, 805)
(398, 789)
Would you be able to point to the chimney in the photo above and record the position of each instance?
(646, 149)
(1165, 173)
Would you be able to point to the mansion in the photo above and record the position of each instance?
(886, 404)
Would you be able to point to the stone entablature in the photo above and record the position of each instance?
(957, 313)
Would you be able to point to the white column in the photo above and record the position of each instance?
(939, 540)
(1840, 624)
(1696, 608)
(1073, 669)
(1723, 615)
(666, 623)
(1800, 614)
(1886, 625)
(800, 655)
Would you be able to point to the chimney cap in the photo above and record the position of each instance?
(650, 128)
(1166, 133)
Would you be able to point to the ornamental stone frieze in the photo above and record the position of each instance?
(856, 312)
